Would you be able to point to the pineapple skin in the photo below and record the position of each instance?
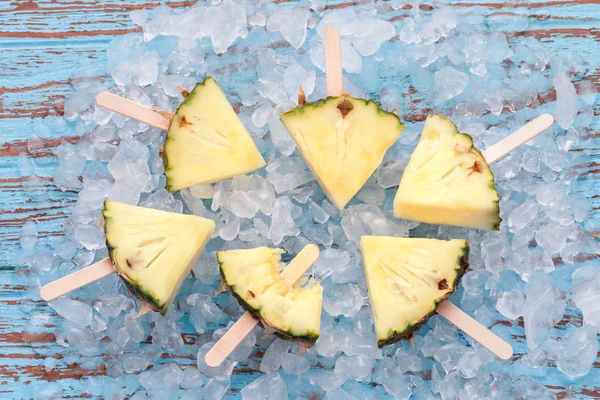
(416, 212)
(338, 203)
(258, 160)
(134, 286)
(304, 341)
(396, 336)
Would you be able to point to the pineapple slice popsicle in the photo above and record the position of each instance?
(448, 181)
(206, 141)
(151, 250)
(342, 139)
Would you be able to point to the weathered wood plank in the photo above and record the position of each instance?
(44, 42)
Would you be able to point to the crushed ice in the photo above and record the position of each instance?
(455, 61)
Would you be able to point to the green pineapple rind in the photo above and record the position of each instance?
(170, 139)
(396, 336)
(302, 340)
(133, 286)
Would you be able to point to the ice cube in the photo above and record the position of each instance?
(449, 83)
(282, 223)
(163, 200)
(526, 387)
(394, 381)
(271, 360)
(357, 368)
(565, 109)
(326, 380)
(28, 235)
(450, 386)
(294, 364)
(291, 23)
(449, 355)
(269, 386)
(351, 60)
(579, 352)
(568, 140)
(498, 49)
(216, 387)
(370, 34)
(73, 310)
(224, 23)
(587, 92)
(510, 304)
(261, 114)
(327, 344)
(343, 300)
(586, 293)
(522, 216)
(202, 191)
(110, 305)
(544, 307)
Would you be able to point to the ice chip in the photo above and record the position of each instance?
(343, 300)
(449, 83)
(73, 310)
(271, 360)
(579, 352)
(269, 386)
(544, 306)
(291, 23)
(510, 304)
(28, 235)
(586, 293)
(565, 109)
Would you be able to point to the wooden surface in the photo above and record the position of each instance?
(44, 42)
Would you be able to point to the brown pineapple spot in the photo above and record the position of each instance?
(345, 107)
(129, 263)
(252, 294)
(443, 284)
(184, 92)
(301, 97)
(474, 168)
(184, 122)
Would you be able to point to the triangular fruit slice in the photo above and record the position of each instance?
(407, 278)
(153, 250)
(447, 181)
(253, 277)
(343, 141)
(207, 142)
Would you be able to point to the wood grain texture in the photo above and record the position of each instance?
(44, 43)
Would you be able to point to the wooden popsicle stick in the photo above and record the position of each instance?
(518, 138)
(78, 279)
(333, 61)
(474, 329)
(131, 109)
(243, 326)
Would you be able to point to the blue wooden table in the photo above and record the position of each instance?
(43, 42)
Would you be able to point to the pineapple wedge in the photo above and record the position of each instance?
(447, 181)
(206, 141)
(407, 278)
(343, 140)
(253, 277)
(153, 250)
